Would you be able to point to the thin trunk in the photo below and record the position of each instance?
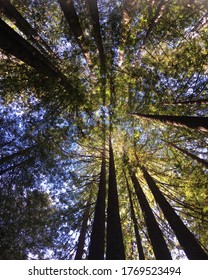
(83, 231)
(197, 101)
(115, 246)
(97, 239)
(134, 219)
(73, 21)
(159, 245)
(201, 24)
(11, 42)
(198, 123)
(194, 157)
(187, 240)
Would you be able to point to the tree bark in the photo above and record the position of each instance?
(73, 21)
(197, 123)
(115, 245)
(97, 239)
(136, 228)
(159, 245)
(83, 231)
(12, 14)
(72, 18)
(194, 157)
(187, 240)
(93, 8)
(12, 43)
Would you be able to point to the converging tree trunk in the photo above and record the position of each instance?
(12, 43)
(83, 231)
(12, 14)
(187, 240)
(198, 123)
(115, 246)
(194, 157)
(159, 245)
(73, 21)
(97, 239)
(135, 223)
(93, 8)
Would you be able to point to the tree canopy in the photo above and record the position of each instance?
(103, 129)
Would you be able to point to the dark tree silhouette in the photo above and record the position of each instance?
(135, 223)
(97, 239)
(187, 240)
(198, 123)
(159, 245)
(93, 8)
(73, 21)
(115, 246)
(194, 157)
(12, 14)
(83, 231)
(12, 43)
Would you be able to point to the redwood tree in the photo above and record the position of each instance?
(115, 246)
(187, 240)
(135, 222)
(198, 123)
(97, 238)
(83, 231)
(159, 245)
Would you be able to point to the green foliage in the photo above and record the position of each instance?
(52, 138)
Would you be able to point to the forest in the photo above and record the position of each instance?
(103, 129)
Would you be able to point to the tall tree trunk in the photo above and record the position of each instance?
(72, 18)
(12, 14)
(83, 231)
(159, 245)
(12, 43)
(198, 123)
(93, 8)
(73, 21)
(194, 157)
(97, 242)
(115, 246)
(187, 240)
(97, 239)
(136, 228)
